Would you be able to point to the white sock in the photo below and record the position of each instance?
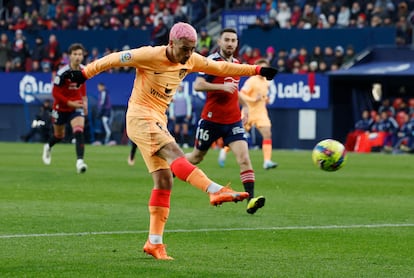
(155, 239)
(214, 187)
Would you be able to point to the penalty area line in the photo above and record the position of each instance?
(326, 227)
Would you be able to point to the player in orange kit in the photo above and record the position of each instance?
(159, 71)
(254, 93)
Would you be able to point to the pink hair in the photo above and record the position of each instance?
(183, 30)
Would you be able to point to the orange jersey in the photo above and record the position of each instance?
(157, 78)
(254, 93)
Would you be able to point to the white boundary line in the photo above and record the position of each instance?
(328, 227)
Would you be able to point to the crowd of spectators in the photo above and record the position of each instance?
(394, 120)
(118, 14)
(17, 56)
(35, 15)
(323, 14)
(29, 16)
(48, 56)
(299, 60)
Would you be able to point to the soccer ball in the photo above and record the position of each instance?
(329, 155)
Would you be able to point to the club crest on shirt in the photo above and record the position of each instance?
(182, 73)
(126, 56)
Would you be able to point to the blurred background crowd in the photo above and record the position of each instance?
(21, 17)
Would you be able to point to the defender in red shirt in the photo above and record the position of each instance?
(221, 117)
(70, 106)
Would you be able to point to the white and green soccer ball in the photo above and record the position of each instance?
(329, 155)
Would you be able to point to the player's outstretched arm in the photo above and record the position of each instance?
(130, 58)
(218, 68)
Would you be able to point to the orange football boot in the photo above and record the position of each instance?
(226, 194)
(157, 251)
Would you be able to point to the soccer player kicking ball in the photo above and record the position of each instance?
(159, 72)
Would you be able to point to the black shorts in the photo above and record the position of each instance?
(181, 120)
(62, 118)
(208, 132)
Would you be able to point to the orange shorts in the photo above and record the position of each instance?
(257, 121)
(149, 131)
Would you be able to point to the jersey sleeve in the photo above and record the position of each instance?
(128, 58)
(247, 91)
(209, 66)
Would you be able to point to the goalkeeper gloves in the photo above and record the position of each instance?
(77, 76)
(267, 72)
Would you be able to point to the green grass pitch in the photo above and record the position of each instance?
(356, 222)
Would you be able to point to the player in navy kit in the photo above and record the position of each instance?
(221, 117)
(70, 106)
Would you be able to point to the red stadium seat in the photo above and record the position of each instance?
(367, 141)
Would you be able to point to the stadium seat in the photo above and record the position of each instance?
(367, 142)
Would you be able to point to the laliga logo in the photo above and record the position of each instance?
(29, 88)
(297, 90)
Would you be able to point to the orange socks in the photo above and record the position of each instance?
(186, 171)
(159, 209)
(198, 179)
(267, 149)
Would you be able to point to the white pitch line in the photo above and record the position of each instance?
(328, 227)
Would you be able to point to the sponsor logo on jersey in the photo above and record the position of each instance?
(157, 94)
(237, 130)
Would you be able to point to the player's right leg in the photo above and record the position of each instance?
(47, 154)
(58, 135)
(188, 172)
(267, 148)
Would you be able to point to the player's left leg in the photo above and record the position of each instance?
(266, 133)
(247, 176)
(77, 124)
(159, 209)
